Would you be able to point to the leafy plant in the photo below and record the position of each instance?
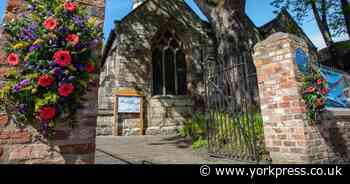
(200, 143)
(239, 130)
(227, 130)
(196, 129)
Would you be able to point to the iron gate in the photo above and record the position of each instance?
(233, 113)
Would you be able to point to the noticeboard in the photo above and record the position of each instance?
(128, 101)
(129, 104)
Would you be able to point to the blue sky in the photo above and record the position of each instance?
(260, 11)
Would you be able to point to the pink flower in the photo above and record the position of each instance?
(319, 81)
(50, 23)
(65, 89)
(310, 89)
(62, 58)
(13, 59)
(47, 113)
(73, 39)
(45, 81)
(90, 68)
(70, 6)
(324, 91)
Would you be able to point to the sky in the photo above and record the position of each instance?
(260, 11)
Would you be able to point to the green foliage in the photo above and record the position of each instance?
(200, 143)
(301, 9)
(250, 125)
(226, 126)
(196, 129)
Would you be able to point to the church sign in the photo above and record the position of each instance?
(129, 104)
(128, 101)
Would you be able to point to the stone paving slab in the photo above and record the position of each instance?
(151, 150)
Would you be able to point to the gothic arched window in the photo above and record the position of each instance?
(169, 66)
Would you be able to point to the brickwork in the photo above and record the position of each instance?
(24, 145)
(288, 135)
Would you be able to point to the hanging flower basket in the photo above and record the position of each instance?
(51, 49)
(315, 93)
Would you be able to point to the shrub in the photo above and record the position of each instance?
(225, 126)
(196, 129)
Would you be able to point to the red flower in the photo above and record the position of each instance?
(13, 59)
(320, 102)
(90, 68)
(62, 58)
(50, 23)
(319, 81)
(73, 39)
(45, 81)
(47, 113)
(65, 89)
(324, 91)
(310, 89)
(70, 6)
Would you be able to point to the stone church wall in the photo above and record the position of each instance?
(129, 65)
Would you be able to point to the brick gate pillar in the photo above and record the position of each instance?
(24, 145)
(289, 136)
(282, 105)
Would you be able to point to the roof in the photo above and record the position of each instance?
(279, 22)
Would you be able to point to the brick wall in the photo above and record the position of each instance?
(25, 145)
(288, 135)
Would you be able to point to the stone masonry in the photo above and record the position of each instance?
(24, 145)
(288, 135)
(128, 64)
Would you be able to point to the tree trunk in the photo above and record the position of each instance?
(346, 11)
(227, 18)
(324, 15)
(323, 28)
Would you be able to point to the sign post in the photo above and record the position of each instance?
(128, 101)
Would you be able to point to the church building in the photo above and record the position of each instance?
(155, 56)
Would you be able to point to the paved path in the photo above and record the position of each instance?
(150, 150)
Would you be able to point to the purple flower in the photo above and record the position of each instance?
(24, 82)
(77, 20)
(31, 7)
(78, 46)
(23, 108)
(17, 88)
(57, 71)
(45, 128)
(80, 67)
(93, 44)
(34, 47)
(64, 30)
(34, 26)
(28, 33)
